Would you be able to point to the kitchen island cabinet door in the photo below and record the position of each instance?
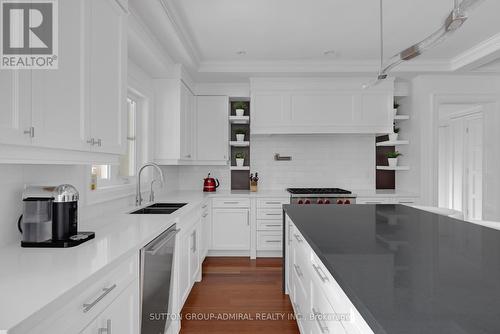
(231, 229)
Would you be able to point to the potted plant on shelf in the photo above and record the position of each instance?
(394, 136)
(392, 157)
(396, 106)
(240, 134)
(240, 108)
(240, 159)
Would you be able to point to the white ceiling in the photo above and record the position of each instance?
(271, 30)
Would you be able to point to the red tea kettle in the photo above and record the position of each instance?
(210, 184)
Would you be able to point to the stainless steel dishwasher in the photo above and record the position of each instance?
(157, 259)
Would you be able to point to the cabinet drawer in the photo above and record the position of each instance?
(270, 225)
(231, 202)
(272, 240)
(90, 300)
(324, 319)
(272, 203)
(372, 201)
(270, 214)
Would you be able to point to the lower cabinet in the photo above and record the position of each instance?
(189, 267)
(231, 229)
(122, 316)
(320, 304)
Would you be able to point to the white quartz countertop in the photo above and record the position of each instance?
(32, 278)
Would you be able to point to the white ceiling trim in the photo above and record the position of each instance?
(317, 66)
(479, 55)
(182, 32)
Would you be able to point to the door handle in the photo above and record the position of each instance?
(106, 291)
(297, 269)
(322, 327)
(106, 330)
(320, 273)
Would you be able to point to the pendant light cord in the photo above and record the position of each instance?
(381, 38)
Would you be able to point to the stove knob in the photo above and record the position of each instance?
(320, 201)
(327, 201)
(300, 201)
(347, 201)
(307, 201)
(339, 201)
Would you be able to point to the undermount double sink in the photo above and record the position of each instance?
(159, 209)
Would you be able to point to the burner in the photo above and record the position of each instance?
(318, 191)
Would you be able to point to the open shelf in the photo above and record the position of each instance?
(393, 143)
(239, 168)
(239, 119)
(239, 143)
(401, 117)
(393, 168)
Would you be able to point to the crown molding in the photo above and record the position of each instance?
(178, 23)
(477, 56)
(312, 66)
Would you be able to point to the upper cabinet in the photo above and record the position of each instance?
(81, 105)
(189, 129)
(174, 122)
(108, 75)
(212, 129)
(303, 106)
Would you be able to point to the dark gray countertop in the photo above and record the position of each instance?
(408, 271)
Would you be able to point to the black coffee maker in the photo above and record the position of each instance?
(50, 218)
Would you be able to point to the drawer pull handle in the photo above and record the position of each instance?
(320, 273)
(204, 206)
(106, 330)
(273, 241)
(317, 317)
(273, 214)
(231, 202)
(299, 239)
(273, 202)
(273, 225)
(204, 215)
(299, 272)
(106, 291)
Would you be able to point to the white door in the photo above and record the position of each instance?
(60, 112)
(231, 229)
(194, 253)
(15, 107)
(474, 168)
(212, 128)
(122, 316)
(184, 277)
(188, 105)
(108, 62)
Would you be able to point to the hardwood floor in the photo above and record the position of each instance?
(239, 287)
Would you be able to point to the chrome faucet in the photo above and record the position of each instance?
(138, 197)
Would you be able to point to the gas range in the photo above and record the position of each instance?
(321, 196)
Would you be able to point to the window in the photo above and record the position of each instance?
(124, 173)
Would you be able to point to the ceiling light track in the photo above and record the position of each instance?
(453, 22)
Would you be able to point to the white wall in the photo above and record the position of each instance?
(428, 94)
(345, 161)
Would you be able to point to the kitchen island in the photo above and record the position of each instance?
(390, 269)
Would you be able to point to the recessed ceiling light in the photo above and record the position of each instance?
(329, 53)
(241, 53)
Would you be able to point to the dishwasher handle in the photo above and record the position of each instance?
(154, 248)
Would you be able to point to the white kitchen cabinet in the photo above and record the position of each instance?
(231, 229)
(15, 109)
(304, 106)
(194, 251)
(122, 316)
(184, 276)
(386, 200)
(59, 108)
(212, 129)
(81, 105)
(206, 230)
(108, 76)
(174, 122)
